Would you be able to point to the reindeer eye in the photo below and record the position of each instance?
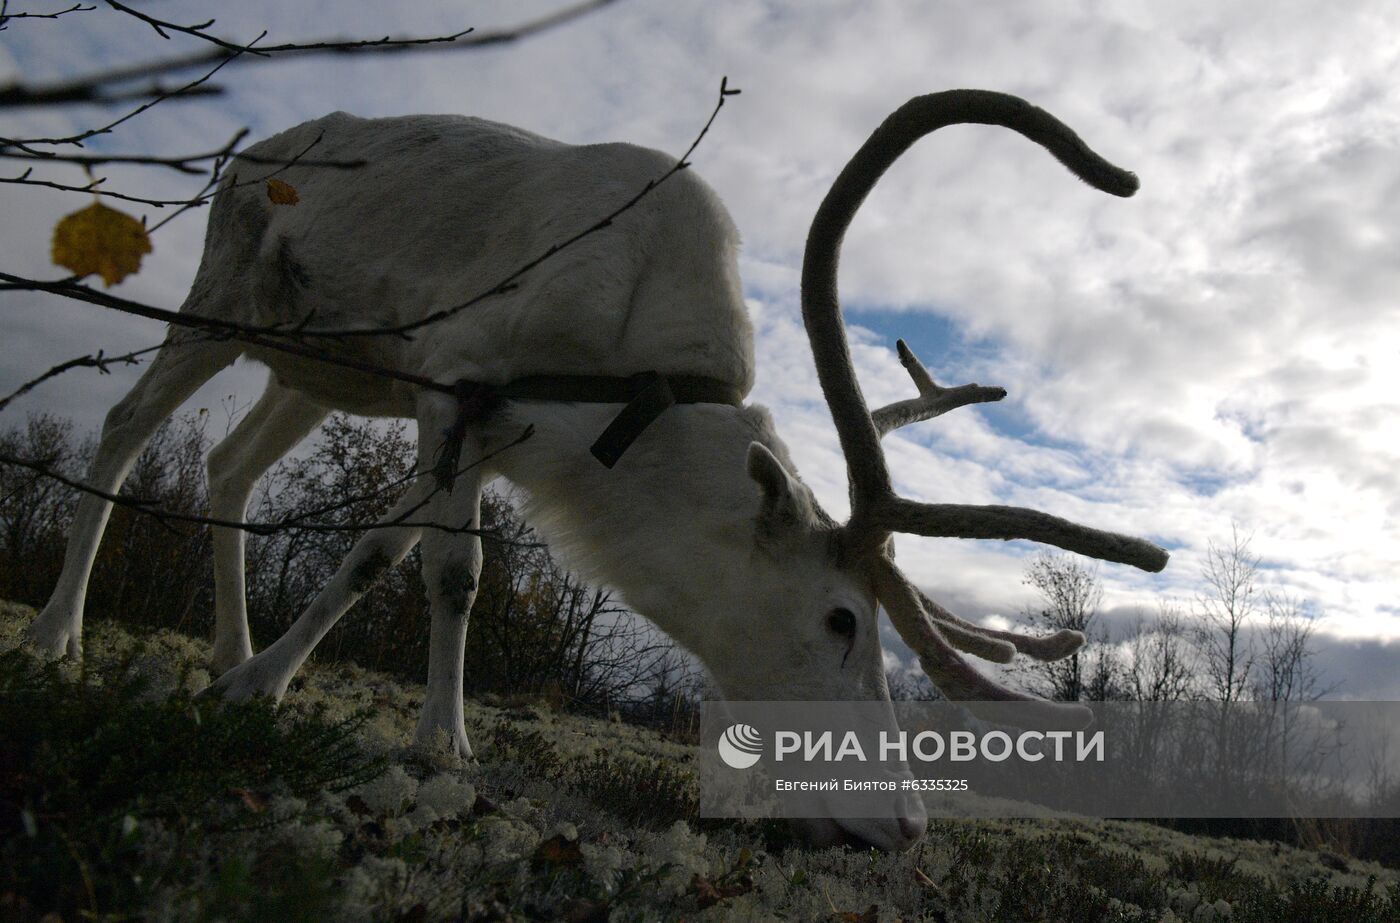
(842, 622)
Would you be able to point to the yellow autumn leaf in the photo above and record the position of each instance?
(280, 193)
(101, 240)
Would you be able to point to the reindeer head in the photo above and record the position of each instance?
(827, 647)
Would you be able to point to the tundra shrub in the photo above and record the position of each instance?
(105, 789)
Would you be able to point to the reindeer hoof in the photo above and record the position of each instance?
(437, 739)
(53, 638)
(250, 680)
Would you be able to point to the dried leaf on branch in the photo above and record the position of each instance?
(280, 193)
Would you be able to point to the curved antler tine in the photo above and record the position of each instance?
(1058, 646)
(963, 635)
(821, 306)
(953, 676)
(932, 401)
(922, 379)
(976, 643)
(956, 520)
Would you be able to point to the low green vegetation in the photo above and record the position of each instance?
(123, 796)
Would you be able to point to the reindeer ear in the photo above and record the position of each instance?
(785, 507)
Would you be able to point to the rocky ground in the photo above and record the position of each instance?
(122, 796)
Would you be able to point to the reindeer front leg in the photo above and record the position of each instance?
(270, 672)
(451, 568)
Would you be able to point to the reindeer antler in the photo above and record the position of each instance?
(933, 401)
(876, 512)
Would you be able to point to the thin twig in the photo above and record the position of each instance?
(95, 188)
(78, 139)
(96, 87)
(255, 336)
(97, 360)
(6, 15)
(181, 163)
(163, 27)
(204, 196)
(277, 337)
(25, 179)
(275, 526)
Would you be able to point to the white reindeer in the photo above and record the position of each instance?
(702, 525)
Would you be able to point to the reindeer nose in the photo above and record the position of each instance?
(913, 827)
(883, 835)
(894, 834)
(913, 818)
(859, 843)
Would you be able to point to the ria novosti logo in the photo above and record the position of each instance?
(740, 746)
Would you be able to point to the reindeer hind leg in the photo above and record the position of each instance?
(273, 427)
(185, 362)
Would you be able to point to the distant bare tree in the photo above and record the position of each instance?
(1285, 668)
(536, 629)
(1223, 609)
(1161, 666)
(286, 569)
(150, 566)
(911, 686)
(1102, 670)
(1285, 676)
(35, 510)
(1070, 598)
(1158, 674)
(148, 569)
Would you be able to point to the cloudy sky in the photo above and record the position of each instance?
(1220, 349)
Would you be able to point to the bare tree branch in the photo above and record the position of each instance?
(156, 100)
(181, 163)
(97, 360)
(279, 337)
(164, 27)
(293, 522)
(96, 87)
(255, 336)
(203, 197)
(92, 188)
(6, 15)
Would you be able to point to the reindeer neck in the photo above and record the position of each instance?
(667, 519)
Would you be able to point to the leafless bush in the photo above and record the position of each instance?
(1070, 595)
(149, 570)
(536, 630)
(35, 511)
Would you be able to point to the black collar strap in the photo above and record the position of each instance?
(646, 397)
